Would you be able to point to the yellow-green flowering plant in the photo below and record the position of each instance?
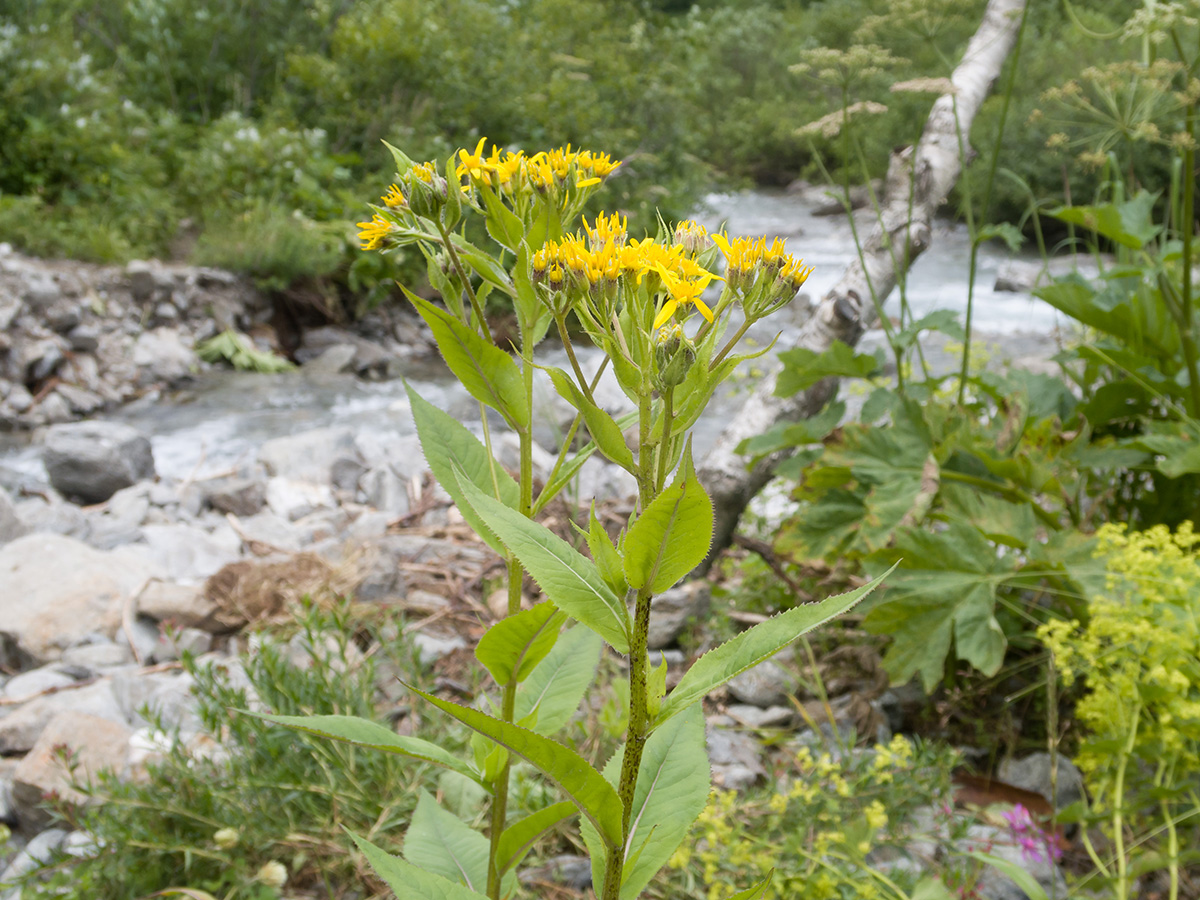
(637, 300)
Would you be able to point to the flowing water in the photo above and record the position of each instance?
(218, 421)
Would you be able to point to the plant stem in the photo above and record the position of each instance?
(639, 717)
(1187, 332)
(664, 445)
(561, 322)
(462, 274)
(516, 574)
(1118, 815)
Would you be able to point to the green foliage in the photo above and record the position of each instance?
(240, 352)
(210, 820)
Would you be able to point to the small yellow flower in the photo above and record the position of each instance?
(372, 233)
(473, 164)
(682, 292)
(394, 198)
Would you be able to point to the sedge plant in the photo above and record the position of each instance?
(642, 301)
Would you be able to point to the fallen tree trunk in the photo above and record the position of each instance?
(918, 181)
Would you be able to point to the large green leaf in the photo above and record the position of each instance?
(569, 579)
(1130, 224)
(753, 646)
(672, 535)
(1121, 307)
(603, 428)
(555, 688)
(786, 435)
(585, 786)
(605, 555)
(440, 842)
(487, 372)
(514, 645)
(802, 368)
(365, 733)
(518, 838)
(447, 445)
(672, 790)
(945, 585)
(409, 881)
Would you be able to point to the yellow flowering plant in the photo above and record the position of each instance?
(643, 302)
(1138, 657)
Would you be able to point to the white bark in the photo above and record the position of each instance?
(918, 182)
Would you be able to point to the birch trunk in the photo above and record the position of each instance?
(918, 181)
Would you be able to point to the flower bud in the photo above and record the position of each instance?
(674, 356)
(227, 838)
(273, 874)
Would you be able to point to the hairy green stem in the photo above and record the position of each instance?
(639, 715)
(462, 274)
(561, 322)
(1118, 814)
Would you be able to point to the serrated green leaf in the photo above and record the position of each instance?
(672, 535)
(754, 645)
(461, 795)
(447, 445)
(555, 688)
(603, 428)
(487, 372)
(441, 843)
(802, 368)
(409, 881)
(365, 733)
(572, 773)
(794, 434)
(1004, 231)
(569, 579)
(403, 163)
(671, 792)
(514, 645)
(518, 838)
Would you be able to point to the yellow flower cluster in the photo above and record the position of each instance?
(372, 233)
(543, 171)
(745, 257)
(596, 264)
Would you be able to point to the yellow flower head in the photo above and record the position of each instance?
(597, 165)
(682, 292)
(473, 164)
(394, 199)
(372, 233)
(607, 230)
(693, 236)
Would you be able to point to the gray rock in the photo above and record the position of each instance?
(36, 681)
(41, 291)
(292, 499)
(174, 643)
(37, 852)
(147, 280)
(992, 885)
(163, 354)
(84, 338)
(309, 456)
(19, 398)
(56, 591)
(574, 872)
(82, 401)
(93, 460)
(185, 552)
(53, 515)
(736, 758)
(432, 647)
(179, 604)
(767, 684)
(96, 744)
(673, 609)
(97, 657)
(21, 728)
(46, 362)
(1033, 773)
(241, 497)
(333, 360)
(385, 490)
(11, 526)
(754, 717)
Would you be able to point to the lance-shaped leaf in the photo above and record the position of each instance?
(586, 787)
(568, 578)
(671, 791)
(602, 427)
(487, 372)
(365, 733)
(409, 881)
(758, 891)
(605, 554)
(488, 267)
(448, 445)
(439, 842)
(514, 645)
(555, 688)
(503, 224)
(672, 536)
(754, 645)
(518, 838)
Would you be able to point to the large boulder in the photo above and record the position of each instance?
(91, 461)
(55, 591)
